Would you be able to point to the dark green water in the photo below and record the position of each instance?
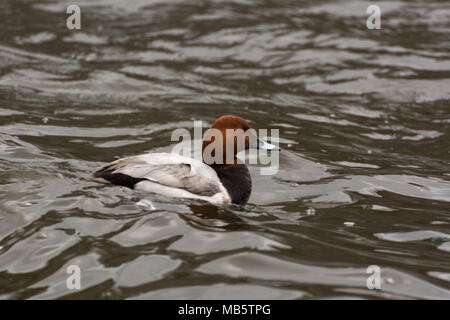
(364, 175)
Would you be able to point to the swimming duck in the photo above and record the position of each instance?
(174, 175)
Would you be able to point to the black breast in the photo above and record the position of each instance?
(237, 180)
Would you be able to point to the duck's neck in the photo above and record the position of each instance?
(236, 179)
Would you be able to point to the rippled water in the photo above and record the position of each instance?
(364, 173)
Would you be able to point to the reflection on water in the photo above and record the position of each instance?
(364, 174)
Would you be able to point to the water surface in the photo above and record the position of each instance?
(364, 175)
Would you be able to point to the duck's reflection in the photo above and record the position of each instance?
(213, 218)
(200, 214)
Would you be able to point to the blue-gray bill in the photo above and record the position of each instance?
(266, 146)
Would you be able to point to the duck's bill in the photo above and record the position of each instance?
(257, 143)
(267, 146)
(260, 144)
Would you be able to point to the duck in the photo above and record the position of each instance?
(177, 176)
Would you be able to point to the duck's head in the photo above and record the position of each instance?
(228, 136)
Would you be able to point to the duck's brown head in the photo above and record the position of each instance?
(228, 136)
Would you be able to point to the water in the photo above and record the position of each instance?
(364, 173)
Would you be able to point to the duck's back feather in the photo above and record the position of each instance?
(168, 174)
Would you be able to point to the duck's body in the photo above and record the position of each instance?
(177, 176)
(168, 174)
